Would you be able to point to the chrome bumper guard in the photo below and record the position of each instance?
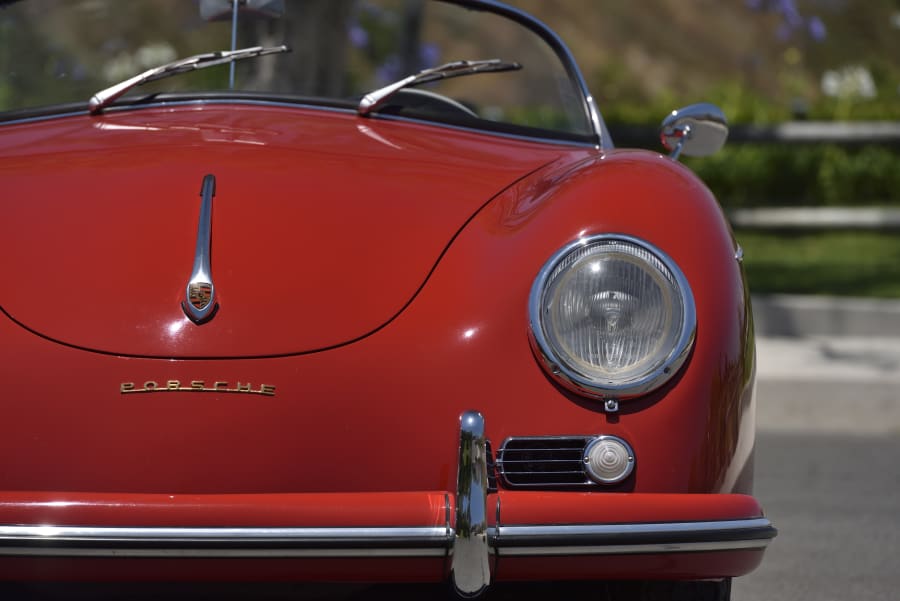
(469, 540)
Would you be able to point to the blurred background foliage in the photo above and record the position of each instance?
(751, 175)
(762, 61)
(765, 62)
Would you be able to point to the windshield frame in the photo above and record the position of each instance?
(597, 136)
(562, 51)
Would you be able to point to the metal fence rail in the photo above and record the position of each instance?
(849, 133)
(819, 218)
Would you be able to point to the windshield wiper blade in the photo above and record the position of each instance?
(371, 101)
(199, 61)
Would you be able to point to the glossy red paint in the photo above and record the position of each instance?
(461, 344)
(439, 332)
(236, 510)
(537, 507)
(421, 509)
(305, 257)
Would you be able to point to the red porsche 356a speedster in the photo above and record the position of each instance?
(375, 298)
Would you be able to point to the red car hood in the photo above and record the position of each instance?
(324, 225)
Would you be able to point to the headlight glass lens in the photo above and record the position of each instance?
(612, 315)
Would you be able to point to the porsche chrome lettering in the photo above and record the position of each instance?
(196, 386)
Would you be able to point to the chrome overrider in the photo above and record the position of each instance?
(468, 538)
(470, 569)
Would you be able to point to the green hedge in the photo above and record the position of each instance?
(847, 263)
(771, 174)
(748, 175)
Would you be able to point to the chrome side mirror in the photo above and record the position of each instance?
(697, 130)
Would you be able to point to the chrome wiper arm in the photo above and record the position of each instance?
(371, 101)
(199, 61)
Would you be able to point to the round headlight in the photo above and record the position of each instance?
(612, 316)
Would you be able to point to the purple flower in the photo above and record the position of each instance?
(789, 10)
(792, 20)
(389, 70)
(358, 36)
(816, 29)
(429, 55)
(784, 32)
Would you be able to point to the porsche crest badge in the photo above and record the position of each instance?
(199, 294)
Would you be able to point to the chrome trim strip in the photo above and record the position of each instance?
(68, 541)
(200, 295)
(485, 132)
(630, 549)
(470, 570)
(618, 539)
(34, 119)
(448, 517)
(352, 112)
(309, 106)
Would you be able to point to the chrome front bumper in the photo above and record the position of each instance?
(475, 540)
(467, 528)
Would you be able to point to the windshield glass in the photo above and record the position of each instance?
(63, 51)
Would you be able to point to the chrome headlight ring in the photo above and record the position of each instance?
(611, 316)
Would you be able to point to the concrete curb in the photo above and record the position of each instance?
(783, 315)
(828, 365)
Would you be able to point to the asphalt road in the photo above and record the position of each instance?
(836, 502)
(828, 468)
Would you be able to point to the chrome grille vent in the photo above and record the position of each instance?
(543, 461)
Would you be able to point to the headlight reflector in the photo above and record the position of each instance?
(612, 316)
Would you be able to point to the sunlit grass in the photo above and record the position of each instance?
(843, 263)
